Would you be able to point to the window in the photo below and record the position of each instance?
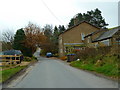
(106, 42)
(82, 36)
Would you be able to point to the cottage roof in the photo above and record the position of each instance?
(79, 24)
(106, 35)
(90, 34)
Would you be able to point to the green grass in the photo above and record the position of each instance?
(81, 65)
(108, 66)
(6, 74)
(108, 70)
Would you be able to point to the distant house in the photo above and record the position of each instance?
(103, 37)
(73, 38)
(109, 37)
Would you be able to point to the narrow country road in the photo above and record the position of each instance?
(50, 73)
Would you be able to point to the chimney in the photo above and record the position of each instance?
(76, 21)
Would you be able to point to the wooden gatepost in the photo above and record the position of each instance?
(8, 60)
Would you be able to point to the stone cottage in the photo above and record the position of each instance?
(73, 38)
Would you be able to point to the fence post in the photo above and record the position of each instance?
(10, 61)
(18, 59)
(15, 60)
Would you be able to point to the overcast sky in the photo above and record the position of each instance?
(15, 14)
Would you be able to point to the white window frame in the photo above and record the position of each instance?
(82, 36)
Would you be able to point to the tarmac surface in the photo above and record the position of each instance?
(52, 73)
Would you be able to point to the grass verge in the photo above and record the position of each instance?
(108, 66)
(6, 74)
(9, 72)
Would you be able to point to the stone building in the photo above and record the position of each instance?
(92, 36)
(73, 38)
(109, 37)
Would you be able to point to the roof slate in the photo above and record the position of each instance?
(106, 35)
(95, 32)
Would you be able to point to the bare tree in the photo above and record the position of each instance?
(34, 36)
(7, 40)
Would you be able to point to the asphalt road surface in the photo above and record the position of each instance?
(50, 73)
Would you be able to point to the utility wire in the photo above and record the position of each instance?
(51, 11)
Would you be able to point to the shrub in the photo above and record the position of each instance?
(103, 50)
(34, 58)
(27, 59)
(43, 52)
(55, 55)
(92, 52)
(87, 52)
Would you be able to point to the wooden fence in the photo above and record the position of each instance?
(8, 60)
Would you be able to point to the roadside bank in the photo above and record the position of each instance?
(9, 74)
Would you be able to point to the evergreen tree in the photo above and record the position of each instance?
(61, 28)
(52, 38)
(80, 17)
(19, 39)
(97, 19)
(48, 31)
(19, 42)
(93, 17)
(71, 23)
(55, 35)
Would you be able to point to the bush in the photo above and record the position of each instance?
(103, 50)
(87, 52)
(27, 58)
(92, 52)
(43, 52)
(34, 58)
(55, 55)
